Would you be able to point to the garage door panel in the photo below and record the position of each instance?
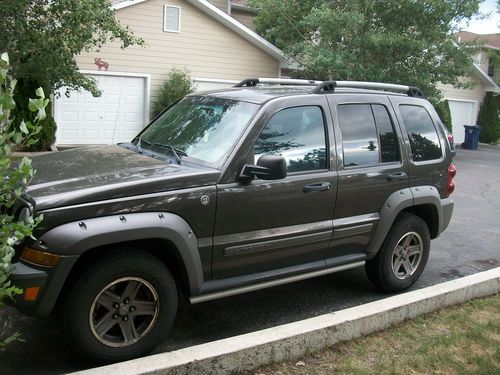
(462, 113)
(116, 116)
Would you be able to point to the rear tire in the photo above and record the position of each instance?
(121, 308)
(403, 255)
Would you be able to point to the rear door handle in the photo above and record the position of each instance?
(398, 176)
(318, 186)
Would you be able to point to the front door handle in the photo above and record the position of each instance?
(398, 176)
(318, 186)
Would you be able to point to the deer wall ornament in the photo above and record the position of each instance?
(101, 64)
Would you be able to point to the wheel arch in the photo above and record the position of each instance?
(423, 201)
(166, 236)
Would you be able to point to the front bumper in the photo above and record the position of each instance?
(49, 280)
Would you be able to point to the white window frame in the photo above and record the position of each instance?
(165, 19)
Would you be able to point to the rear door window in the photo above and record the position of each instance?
(368, 136)
(422, 133)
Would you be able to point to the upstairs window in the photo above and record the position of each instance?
(491, 68)
(172, 19)
(368, 136)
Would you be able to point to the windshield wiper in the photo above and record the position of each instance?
(173, 150)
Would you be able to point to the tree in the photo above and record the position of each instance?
(443, 110)
(396, 41)
(175, 87)
(488, 120)
(14, 179)
(42, 38)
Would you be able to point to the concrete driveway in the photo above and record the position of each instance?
(470, 245)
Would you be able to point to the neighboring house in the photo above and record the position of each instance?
(196, 35)
(465, 104)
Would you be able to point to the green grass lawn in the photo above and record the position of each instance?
(464, 339)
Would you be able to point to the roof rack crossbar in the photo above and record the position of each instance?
(251, 82)
(330, 86)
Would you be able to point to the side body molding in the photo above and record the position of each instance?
(77, 237)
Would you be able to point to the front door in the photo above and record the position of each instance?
(265, 225)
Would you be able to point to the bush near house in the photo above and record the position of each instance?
(443, 110)
(175, 87)
(488, 120)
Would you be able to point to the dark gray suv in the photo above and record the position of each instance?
(228, 192)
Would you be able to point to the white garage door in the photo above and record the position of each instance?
(462, 113)
(117, 116)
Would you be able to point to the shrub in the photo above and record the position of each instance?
(443, 110)
(47, 135)
(14, 134)
(175, 87)
(488, 120)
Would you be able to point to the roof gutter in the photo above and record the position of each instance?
(489, 84)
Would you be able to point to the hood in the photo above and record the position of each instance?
(107, 172)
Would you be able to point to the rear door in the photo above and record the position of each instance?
(370, 166)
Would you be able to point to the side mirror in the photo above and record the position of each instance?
(269, 167)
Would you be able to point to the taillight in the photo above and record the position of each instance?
(451, 141)
(450, 185)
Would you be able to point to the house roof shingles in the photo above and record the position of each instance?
(490, 40)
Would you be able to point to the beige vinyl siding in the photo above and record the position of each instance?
(204, 47)
(475, 94)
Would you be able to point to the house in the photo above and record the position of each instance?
(465, 104)
(197, 35)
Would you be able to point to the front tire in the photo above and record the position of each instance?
(403, 255)
(121, 308)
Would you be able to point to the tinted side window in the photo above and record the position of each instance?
(421, 132)
(359, 135)
(298, 134)
(387, 136)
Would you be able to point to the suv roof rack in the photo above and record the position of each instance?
(330, 86)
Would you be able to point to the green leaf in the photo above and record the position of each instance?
(5, 57)
(33, 105)
(41, 114)
(7, 101)
(39, 92)
(23, 128)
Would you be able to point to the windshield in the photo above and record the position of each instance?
(200, 127)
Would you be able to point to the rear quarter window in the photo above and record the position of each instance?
(422, 133)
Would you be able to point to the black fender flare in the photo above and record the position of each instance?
(75, 238)
(397, 202)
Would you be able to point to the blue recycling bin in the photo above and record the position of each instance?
(471, 136)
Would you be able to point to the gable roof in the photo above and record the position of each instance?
(489, 40)
(226, 20)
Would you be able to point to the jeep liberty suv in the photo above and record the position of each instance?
(228, 192)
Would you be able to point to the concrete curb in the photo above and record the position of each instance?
(249, 351)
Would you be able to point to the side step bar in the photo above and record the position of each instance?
(269, 284)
